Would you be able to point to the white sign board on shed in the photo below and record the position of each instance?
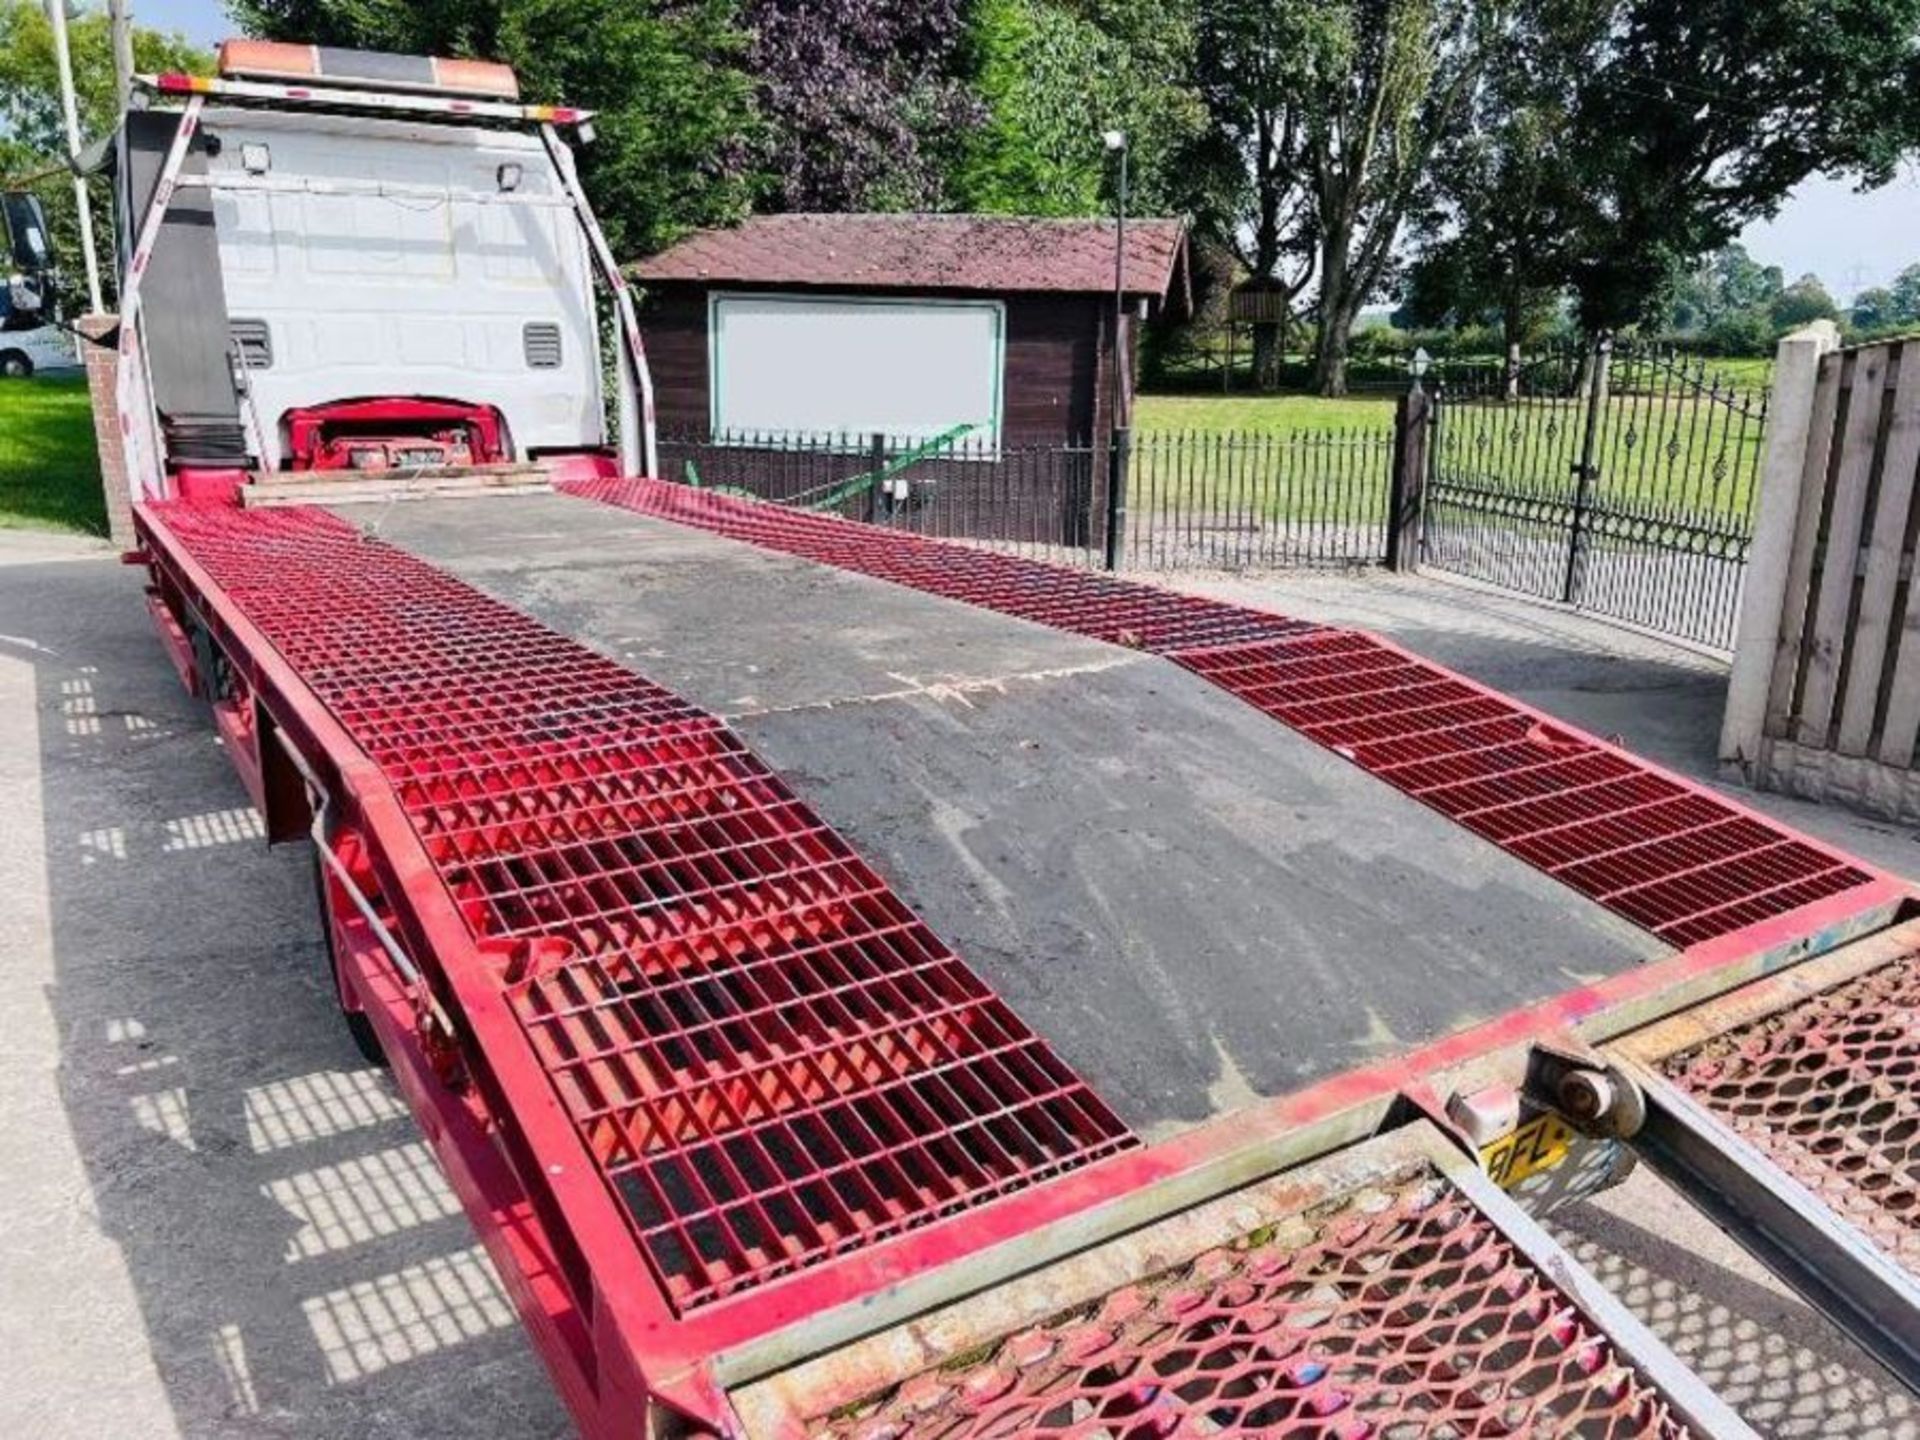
(911, 369)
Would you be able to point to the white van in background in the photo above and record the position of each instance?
(45, 347)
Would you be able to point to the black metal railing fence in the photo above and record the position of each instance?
(1195, 500)
(1617, 477)
(1232, 501)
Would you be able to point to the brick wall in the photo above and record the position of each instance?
(102, 362)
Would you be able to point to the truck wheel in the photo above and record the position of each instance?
(15, 365)
(365, 1039)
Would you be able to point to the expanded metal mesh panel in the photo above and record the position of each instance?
(1402, 1311)
(1665, 855)
(1829, 1090)
(769, 1054)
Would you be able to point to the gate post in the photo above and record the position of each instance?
(878, 506)
(1763, 597)
(100, 353)
(1119, 452)
(1586, 470)
(1412, 435)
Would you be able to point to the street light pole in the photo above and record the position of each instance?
(121, 24)
(57, 18)
(1120, 439)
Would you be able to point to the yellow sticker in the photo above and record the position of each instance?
(1539, 1144)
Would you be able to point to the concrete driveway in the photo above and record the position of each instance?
(222, 1224)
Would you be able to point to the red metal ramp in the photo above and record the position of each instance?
(1684, 863)
(1789, 1110)
(767, 1054)
(718, 1101)
(1195, 906)
(663, 975)
(1389, 1290)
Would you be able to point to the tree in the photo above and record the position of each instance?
(1873, 310)
(864, 101)
(674, 107)
(1255, 62)
(1497, 244)
(1742, 332)
(1697, 118)
(1906, 296)
(33, 141)
(1052, 76)
(1383, 96)
(1727, 283)
(1802, 302)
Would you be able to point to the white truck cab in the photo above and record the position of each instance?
(29, 340)
(342, 262)
(28, 352)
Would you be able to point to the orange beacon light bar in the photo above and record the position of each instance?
(369, 69)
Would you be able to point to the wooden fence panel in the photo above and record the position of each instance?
(1826, 645)
(1840, 649)
(1886, 541)
(1805, 519)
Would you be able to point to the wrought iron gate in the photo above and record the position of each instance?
(1619, 478)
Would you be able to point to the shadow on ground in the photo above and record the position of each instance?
(300, 1266)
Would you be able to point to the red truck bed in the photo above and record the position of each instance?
(718, 1097)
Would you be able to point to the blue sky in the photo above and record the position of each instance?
(1851, 241)
(202, 20)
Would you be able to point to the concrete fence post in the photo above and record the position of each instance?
(1796, 374)
(102, 363)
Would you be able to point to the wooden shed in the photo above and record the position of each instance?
(907, 325)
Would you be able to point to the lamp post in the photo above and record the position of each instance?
(57, 19)
(1120, 434)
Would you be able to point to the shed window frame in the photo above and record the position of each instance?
(975, 445)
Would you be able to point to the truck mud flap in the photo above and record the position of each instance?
(1388, 1288)
(1788, 1111)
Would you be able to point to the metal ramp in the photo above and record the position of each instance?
(769, 1057)
(752, 1146)
(1788, 1110)
(1390, 1290)
(1666, 854)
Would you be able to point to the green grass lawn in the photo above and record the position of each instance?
(49, 473)
(1261, 414)
(1750, 373)
(1661, 449)
(1680, 457)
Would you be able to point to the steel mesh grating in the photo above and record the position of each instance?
(1829, 1090)
(1399, 1310)
(771, 1057)
(1665, 855)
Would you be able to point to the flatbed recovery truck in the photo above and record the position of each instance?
(861, 985)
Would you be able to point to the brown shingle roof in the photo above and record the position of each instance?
(925, 252)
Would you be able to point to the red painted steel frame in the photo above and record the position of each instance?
(535, 1187)
(762, 1056)
(318, 436)
(519, 1165)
